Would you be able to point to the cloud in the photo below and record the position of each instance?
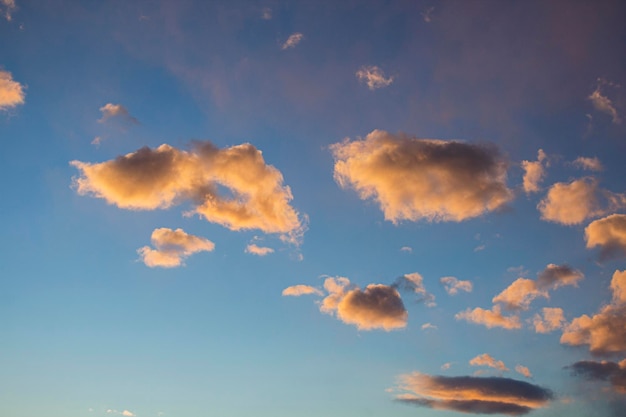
(574, 202)
(406, 249)
(609, 234)
(427, 326)
(589, 164)
(11, 92)
(613, 372)
(470, 394)
(555, 276)
(487, 360)
(160, 178)
(446, 366)
(124, 413)
(127, 413)
(552, 320)
(378, 306)
(266, 13)
(604, 104)
(427, 14)
(298, 290)
(116, 112)
(7, 7)
(414, 282)
(522, 370)
(293, 40)
(604, 332)
(258, 250)
(415, 179)
(373, 76)
(452, 285)
(172, 248)
(489, 318)
(534, 173)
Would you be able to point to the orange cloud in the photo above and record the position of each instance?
(258, 250)
(11, 92)
(374, 77)
(609, 234)
(159, 178)
(172, 247)
(487, 360)
(298, 290)
(116, 112)
(519, 294)
(489, 318)
(552, 320)
(534, 173)
(522, 370)
(453, 285)
(414, 179)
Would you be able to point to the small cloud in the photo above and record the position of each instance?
(427, 14)
(298, 290)
(487, 360)
(406, 249)
(266, 13)
(489, 318)
(589, 164)
(373, 77)
(127, 413)
(116, 112)
(293, 40)
(522, 370)
(452, 285)
(427, 326)
(446, 366)
(552, 320)
(603, 103)
(414, 282)
(258, 250)
(480, 248)
(555, 276)
(11, 92)
(96, 141)
(8, 7)
(609, 234)
(172, 248)
(534, 172)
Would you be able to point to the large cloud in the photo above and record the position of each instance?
(614, 373)
(534, 172)
(172, 247)
(149, 179)
(604, 332)
(415, 179)
(11, 92)
(609, 234)
(468, 394)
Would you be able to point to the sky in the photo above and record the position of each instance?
(302, 208)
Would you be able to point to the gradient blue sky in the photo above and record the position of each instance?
(89, 328)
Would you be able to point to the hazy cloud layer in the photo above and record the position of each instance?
(159, 178)
(172, 248)
(116, 112)
(534, 173)
(490, 318)
(258, 250)
(374, 77)
(11, 92)
(453, 285)
(604, 332)
(487, 360)
(613, 372)
(589, 164)
(609, 234)
(469, 394)
(293, 40)
(550, 320)
(298, 290)
(415, 179)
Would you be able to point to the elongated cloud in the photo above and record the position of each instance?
(604, 104)
(469, 394)
(374, 77)
(172, 248)
(298, 290)
(589, 164)
(293, 40)
(522, 370)
(7, 8)
(604, 332)
(613, 372)
(258, 250)
(11, 92)
(534, 173)
(487, 360)
(117, 112)
(453, 285)
(550, 320)
(574, 202)
(609, 234)
(378, 306)
(490, 318)
(423, 179)
(160, 178)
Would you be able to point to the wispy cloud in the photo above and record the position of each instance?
(258, 250)
(293, 40)
(428, 326)
(534, 172)
(589, 164)
(453, 285)
(609, 234)
(427, 14)
(487, 360)
(406, 249)
(522, 370)
(298, 290)
(7, 8)
(423, 179)
(374, 77)
(414, 282)
(11, 92)
(172, 248)
(266, 13)
(603, 103)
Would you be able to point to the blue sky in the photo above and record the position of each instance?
(293, 208)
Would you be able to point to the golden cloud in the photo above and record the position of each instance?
(11, 92)
(298, 290)
(552, 320)
(172, 248)
(258, 250)
(490, 318)
(609, 234)
(453, 285)
(487, 360)
(534, 172)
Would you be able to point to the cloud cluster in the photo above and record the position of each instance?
(373, 76)
(172, 248)
(11, 92)
(453, 285)
(604, 332)
(415, 179)
(298, 290)
(534, 172)
(470, 394)
(487, 360)
(609, 234)
(550, 320)
(150, 179)
(613, 372)
(293, 40)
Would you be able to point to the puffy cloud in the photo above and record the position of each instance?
(298, 290)
(172, 247)
(589, 164)
(7, 7)
(117, 112)
(487, 360)
(378, 306)
(522, 370)
(604, 332)
(414, 179)
(609, 234)
(519, 294)
(11, 92)
(552, 320)
(555, 276)
(159, 178)
(534, 173)
(293, 40)
(414, 282)
(489, 318)
(258, 250)
(470, 394)
(373, 76)
(604, 104)
(613, 372)
(453, 285)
